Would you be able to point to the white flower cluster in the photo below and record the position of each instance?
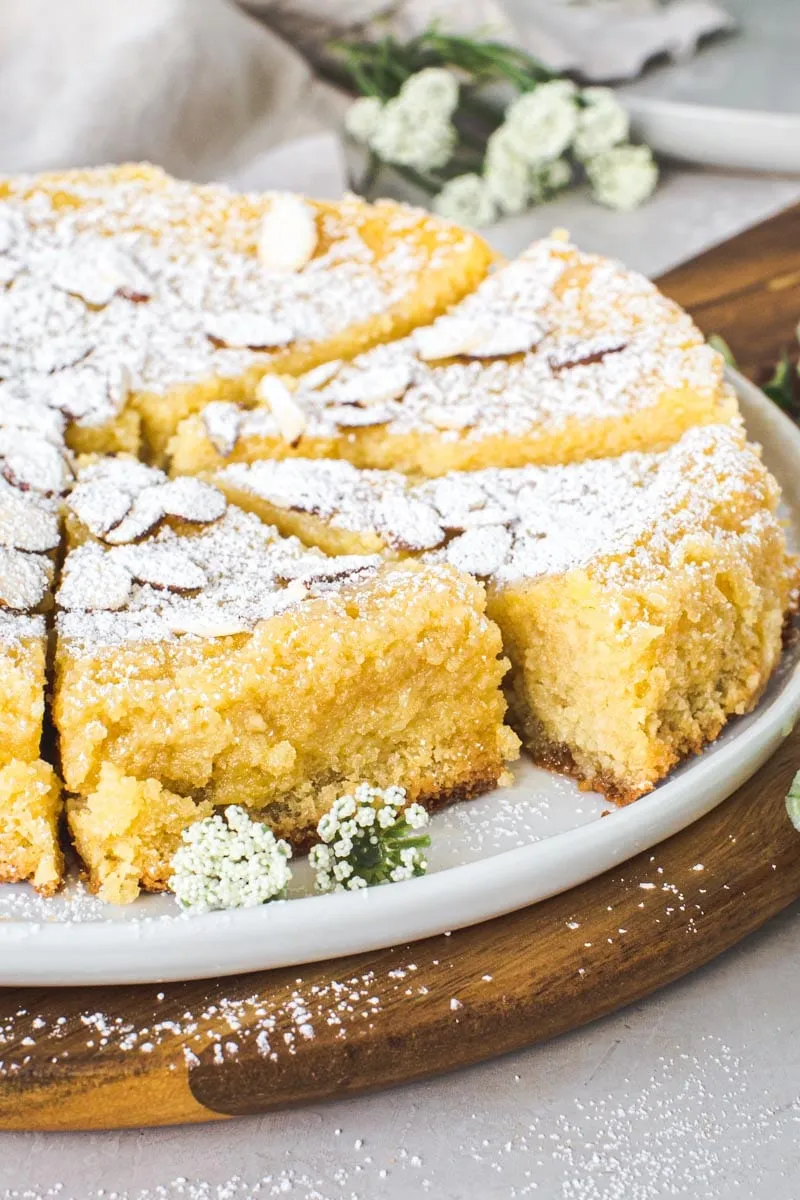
(229, 861)
(368, 838)
(414, 129)
(524, 161)
(602, 123)
(623, 177)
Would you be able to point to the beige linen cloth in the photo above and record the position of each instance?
(207, 89)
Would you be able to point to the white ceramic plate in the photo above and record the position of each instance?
(737, 102)
(489, 856)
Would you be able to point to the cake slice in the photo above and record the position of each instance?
(204, 660)
(641, 599)
(33, 472)
(557, 357)
(130, 296)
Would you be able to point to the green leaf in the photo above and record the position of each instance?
(781, 387)
(718, 343)
(793, 802)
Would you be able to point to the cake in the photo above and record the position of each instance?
(297, 496)
(32, 476)
(136, 298)
(556, 357)
(204, 660)
(641, 599)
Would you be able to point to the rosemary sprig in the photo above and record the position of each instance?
(381, 68)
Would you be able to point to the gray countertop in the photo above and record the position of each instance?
(692, 1093)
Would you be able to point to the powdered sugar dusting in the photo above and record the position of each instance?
(553, 337)
(519, 523)
(132, 277)
(120, 499)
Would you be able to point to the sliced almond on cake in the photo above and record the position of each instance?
(288, 235)
(289, 416)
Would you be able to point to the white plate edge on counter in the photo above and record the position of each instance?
(717, 137)
(160, 948)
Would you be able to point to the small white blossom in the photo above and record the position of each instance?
(548, 179)
(541, 124)
(416, 816)
(386, 816)
(466, 199)
(623, 177)
(361, 118)
(433, 89)
(229, 861)
(507, 176)
(346, 807)
(369, 838)
(412, 137)
(602, 123)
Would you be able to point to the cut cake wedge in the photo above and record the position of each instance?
(127, 296)
(208, 661)
(641, 599)
(33, 472)
(557, 357)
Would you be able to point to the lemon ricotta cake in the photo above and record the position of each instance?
(558, 356)
(127, 296)
(217, 662)
(284, 488)
(33, 474)
(641, 599)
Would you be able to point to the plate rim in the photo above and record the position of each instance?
(640, 104)
(712, 135)
(32, 953)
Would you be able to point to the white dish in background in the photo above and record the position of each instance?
(737, 102)
(489, 856)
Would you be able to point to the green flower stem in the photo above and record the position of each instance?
(426, 183)
(381, 68)
(470, 102)
(370, 176)
(423, 841)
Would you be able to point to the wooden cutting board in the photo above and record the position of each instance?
(201, 1051)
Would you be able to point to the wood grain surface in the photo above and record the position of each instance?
(748, 290)
(201, 1051)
